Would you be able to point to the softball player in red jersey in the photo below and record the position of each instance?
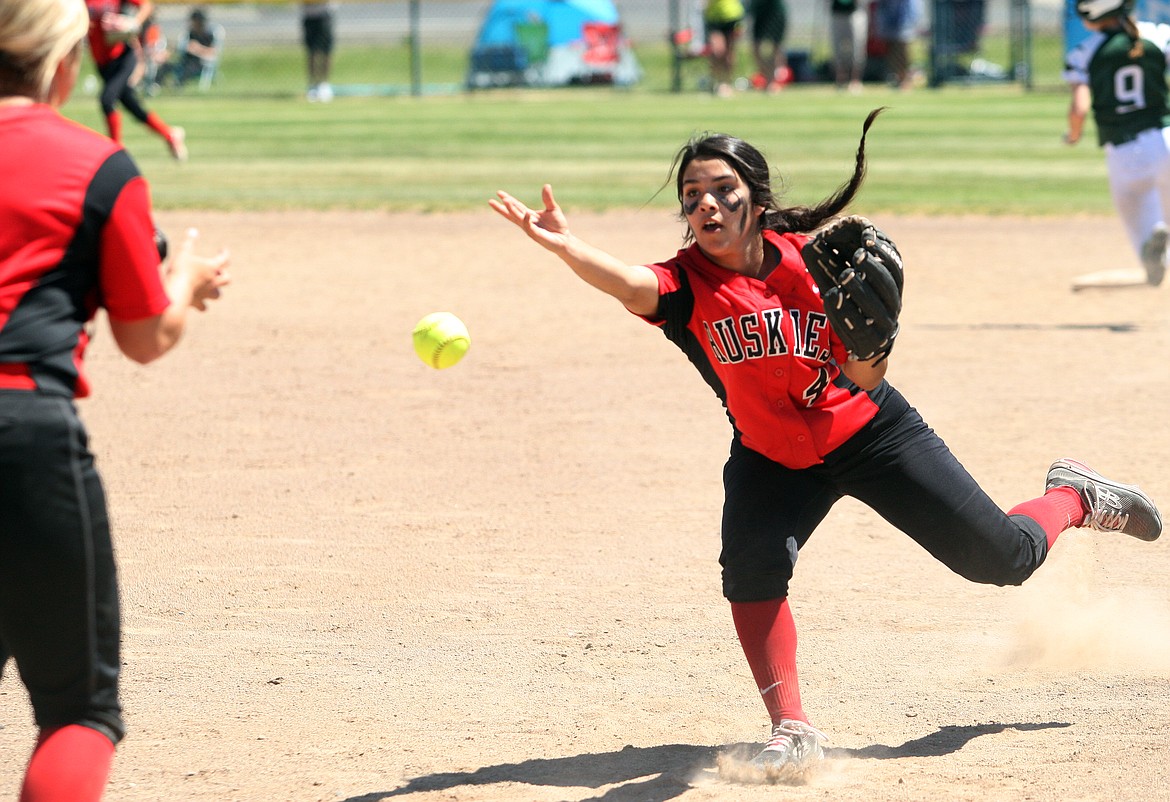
(810, 424)
(76, 234)
(109, 29)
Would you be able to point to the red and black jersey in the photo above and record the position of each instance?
(103, 51)
(76, 234)
(766, 348)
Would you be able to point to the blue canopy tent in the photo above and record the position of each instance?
(551, 43)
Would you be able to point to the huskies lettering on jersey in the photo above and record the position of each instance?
(749, 326)
(725, 331)
(813, 326)
(774, 323)
(761, 334)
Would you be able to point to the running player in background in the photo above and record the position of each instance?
(76, 234)
(810, 425)
(1119, 73)
(110, 33)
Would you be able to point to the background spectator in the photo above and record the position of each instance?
(849, 30)
(198, 51)
(898, 22)
(317, 24)
(769, 25)
(722, 20)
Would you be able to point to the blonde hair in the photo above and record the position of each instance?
(35, 36)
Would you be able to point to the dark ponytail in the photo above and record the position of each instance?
(1139, 49)
(803, 219)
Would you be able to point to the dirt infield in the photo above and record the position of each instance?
(347, 576)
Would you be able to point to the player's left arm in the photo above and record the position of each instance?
(866, 375)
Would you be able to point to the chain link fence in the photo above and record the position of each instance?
(428, 46)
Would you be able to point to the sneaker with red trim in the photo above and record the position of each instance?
(1112, 506)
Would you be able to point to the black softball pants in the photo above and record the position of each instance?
(116, 86)
(59, 611)
(897, 466)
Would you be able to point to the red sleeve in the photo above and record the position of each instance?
(667, 274)
(130, 280)
(669, 283)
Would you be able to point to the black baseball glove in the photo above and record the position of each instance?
(859, 272)
(160, 242)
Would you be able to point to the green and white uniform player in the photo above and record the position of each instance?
(1119, 73)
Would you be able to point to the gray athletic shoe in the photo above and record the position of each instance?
(1113, 507)
(1154, 254)
(792, 753)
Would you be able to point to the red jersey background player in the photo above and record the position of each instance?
(76, 235)
(810, 424)
(112, 26)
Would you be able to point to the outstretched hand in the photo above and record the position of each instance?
(201, 278)
(547, 227)
(636, 286)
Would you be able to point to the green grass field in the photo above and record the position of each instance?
(955, 150)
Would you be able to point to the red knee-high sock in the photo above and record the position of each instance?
(70, 764)
(767, 634)
(1059, 509)
(158, 126)
(114, 125)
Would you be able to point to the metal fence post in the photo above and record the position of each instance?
(675, 56)
(1021, 41)
(415, 49)
(941, 33)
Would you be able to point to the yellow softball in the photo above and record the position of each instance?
(441, 339)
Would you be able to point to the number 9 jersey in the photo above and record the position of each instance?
(1128, 88)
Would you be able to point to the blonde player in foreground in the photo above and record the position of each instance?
(76, 235)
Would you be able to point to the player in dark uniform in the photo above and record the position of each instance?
(110, 31)
(810, 424)
(1119, 73)
(76, 234)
